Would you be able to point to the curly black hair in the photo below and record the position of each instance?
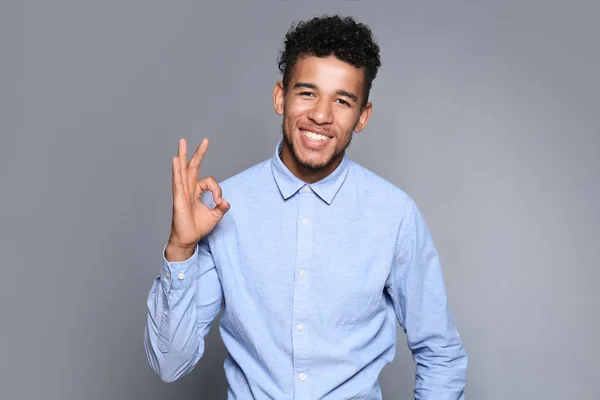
(324, 36)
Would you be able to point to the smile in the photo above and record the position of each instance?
(315, 136)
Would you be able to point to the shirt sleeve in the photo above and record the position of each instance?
(420, 301)
(181, 306)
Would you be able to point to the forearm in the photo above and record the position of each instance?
(419, 294)
(441, 371)
(181, 305)
(433, 336)
(171, 342)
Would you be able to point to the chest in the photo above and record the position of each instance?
(331, 259)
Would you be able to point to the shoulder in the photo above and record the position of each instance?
(243, 184)
(375, 188)
(248, 178)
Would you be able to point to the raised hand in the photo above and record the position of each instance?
(192, 220)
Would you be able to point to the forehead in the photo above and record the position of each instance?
(328, 73)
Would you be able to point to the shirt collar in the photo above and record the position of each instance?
(289, 184)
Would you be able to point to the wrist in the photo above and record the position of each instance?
(175, 252)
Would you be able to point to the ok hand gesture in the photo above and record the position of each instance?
(192, 220)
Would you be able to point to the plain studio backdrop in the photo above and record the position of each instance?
(486, 113)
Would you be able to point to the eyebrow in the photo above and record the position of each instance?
(340, 92)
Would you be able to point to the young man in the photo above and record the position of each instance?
(312, 257)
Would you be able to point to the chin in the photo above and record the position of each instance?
(315, 158)
(315, 165)
(314, 162)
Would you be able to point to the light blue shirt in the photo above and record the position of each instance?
(311, 279)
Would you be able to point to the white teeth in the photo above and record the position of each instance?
(314, 136)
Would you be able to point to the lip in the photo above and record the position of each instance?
(315, 145)
(316, 130)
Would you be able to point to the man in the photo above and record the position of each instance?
(312, 258)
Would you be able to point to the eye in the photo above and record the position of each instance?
(305, 93)
(344, 102)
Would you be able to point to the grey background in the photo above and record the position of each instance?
(487, 113)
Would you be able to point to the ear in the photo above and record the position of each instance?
(363, 118)
(278, 98)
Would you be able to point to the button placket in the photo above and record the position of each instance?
(301, 305)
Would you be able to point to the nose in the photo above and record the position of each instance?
(321, 113)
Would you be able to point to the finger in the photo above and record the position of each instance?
(196, 161)
(220, 209)
(202, 150)
(177, 182)
(183, 163)
(209, 183)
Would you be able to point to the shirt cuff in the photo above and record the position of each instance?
(178, 275)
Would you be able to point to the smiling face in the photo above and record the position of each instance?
(321, 108)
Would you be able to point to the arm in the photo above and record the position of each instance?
(187, 295)
(181, 306)
(418, 293)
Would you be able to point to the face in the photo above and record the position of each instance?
(321, 110)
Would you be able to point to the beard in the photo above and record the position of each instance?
(313, 167)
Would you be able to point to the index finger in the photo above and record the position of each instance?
(196, 161)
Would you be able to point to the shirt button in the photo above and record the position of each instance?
(300, 327)
(165, 313)
(180, 276)
(301, 273)
(167, 275)
(302, 377)
(306, 189)
(305, 221)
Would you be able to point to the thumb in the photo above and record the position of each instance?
(220, 209)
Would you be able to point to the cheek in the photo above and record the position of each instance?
(292, 116)
(346, 122)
